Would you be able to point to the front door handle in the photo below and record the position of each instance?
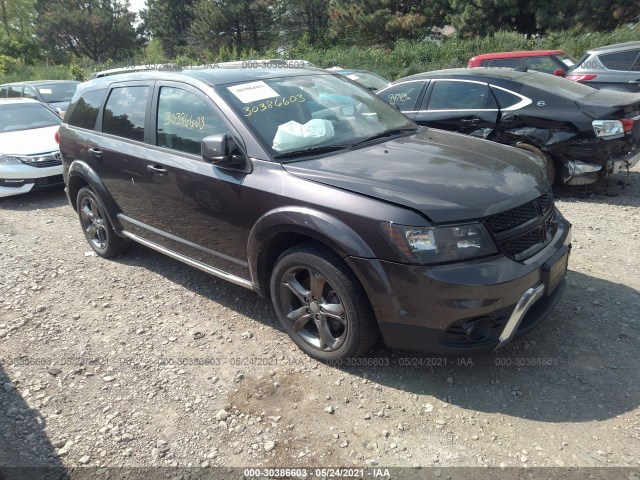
(156, 170)
(96, 152)
(635, 82)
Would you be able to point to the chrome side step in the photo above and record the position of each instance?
(189, 261)
(531, 296)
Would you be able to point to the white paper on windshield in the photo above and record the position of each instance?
(568, 62)
(45, 91)
(252, 92)
(293, 135)
(353, 77)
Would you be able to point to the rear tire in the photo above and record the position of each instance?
(321, 305)
(96, 225)
(548, 162)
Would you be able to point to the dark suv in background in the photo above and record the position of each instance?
(305, 187)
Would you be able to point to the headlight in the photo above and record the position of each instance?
(608, 128)
(9, 160)
(431, 245)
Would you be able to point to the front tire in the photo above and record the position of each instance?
(96, 225)
(321, 305)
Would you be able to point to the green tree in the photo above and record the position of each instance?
(17, 37)
(482, 17)
(168, 21)
(380, 21)
(99, 29)
(298, 19)
(233, 24)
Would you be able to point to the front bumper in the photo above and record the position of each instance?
(17, 179)
(466, 307)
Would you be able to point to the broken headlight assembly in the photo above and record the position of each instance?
(433, 245)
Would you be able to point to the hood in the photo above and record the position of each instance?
(29, 142)
(445, 176)
(602, 104)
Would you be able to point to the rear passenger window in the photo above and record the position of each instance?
(85, 113)
(450, 95)
(403, 95)
(621, 61)
(124, 112)
(184, 119)
(15, 92)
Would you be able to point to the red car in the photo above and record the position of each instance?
(556, 62)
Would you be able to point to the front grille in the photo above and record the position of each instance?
(523, 231)
(43, 160)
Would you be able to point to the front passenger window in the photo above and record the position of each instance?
(184, 119)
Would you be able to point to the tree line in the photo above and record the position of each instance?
(67, 31)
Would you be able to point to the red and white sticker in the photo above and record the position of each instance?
(252, 92)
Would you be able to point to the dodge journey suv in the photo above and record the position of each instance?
(305, 187)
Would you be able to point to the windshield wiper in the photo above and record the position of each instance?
(389, 133)
(304, 152)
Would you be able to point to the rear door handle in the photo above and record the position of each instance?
(96, 152)
(156, 170)
(635, 82)
(470, 121)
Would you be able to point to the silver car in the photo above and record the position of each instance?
(614, 67)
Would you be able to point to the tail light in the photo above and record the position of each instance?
(580, 78)
(612, 128)
(57, 137)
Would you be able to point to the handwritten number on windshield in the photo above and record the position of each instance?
(277, 103)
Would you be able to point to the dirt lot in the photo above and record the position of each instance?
(91, 370)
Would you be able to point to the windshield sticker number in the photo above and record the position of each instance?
(277, 103)
(252, 92)
(399, 98)
(184, 120)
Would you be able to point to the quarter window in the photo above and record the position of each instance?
(85, 113)
(447, 95)
(124, 112)
(29, 92)
(184, 119)
(403, 95)
(505, 99)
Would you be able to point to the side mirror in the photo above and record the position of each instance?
(559, 72)
(223, 151)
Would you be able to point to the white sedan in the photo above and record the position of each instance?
(29, 154)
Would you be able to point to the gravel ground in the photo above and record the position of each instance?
(91, 371)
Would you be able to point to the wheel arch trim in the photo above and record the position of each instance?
(79, 170)
(315, 224)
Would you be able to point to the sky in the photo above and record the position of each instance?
(136, 5)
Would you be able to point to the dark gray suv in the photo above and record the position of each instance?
(305, 187)
(614, 67)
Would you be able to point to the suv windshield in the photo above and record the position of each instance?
(16, 116)
(312, 113)
(57, 92)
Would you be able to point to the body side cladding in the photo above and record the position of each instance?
(80, 174)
